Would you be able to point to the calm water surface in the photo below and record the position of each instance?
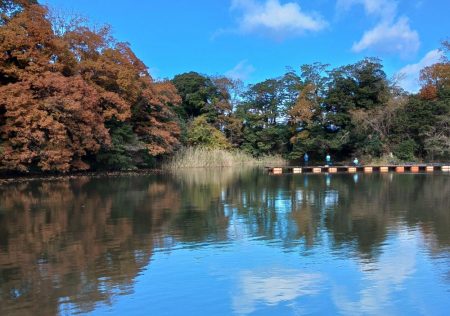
(233, 242)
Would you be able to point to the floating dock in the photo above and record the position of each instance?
(362, 169)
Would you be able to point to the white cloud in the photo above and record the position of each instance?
(391, 34)
(390, 38)
(241, 71)
(410, 73)
(385, 9)
(276, 19)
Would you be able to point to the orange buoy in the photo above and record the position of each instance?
(384, 169)
(277, 170)
(400, 169)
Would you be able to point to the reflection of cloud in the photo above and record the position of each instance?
(383, 278)
(273, 288)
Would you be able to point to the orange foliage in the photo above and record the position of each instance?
(28, 45)
(51, 121)
(435, 77)
(303, 110)
(155, 120)
(57, 92)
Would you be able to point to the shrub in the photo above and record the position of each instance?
(405, 150)
(201, 133)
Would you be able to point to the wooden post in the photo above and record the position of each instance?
(297, 170)
(384, 169)
(400, 169)
(317, 170)
(368, 169)
(351, 169)
(332, 170)
(415, 169)
(429, 168)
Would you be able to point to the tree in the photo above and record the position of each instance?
(436, 78)
(9, 8)
(260, 112)
(305, 123)
(198, 94)
(42, 126)
(27, 44)
(433, 108)
(51, 123)
(378, 125)
(201, 133)
(154, 118)
(361, 86)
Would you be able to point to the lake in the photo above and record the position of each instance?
(226, 242)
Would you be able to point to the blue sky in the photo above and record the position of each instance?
(256, 39)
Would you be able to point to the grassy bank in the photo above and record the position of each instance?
(387, 160)
(197, 157)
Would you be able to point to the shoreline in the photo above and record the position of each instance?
(7, 178)
(11, 177)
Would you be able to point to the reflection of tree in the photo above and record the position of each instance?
(369, 208)
(202, 193)
(82, 241)
(75, 241)
(354, 210)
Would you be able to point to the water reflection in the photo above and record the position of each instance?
(272, 288)
(83, 245)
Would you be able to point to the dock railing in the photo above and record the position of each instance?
(410, 168)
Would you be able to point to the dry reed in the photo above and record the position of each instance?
(198, 157)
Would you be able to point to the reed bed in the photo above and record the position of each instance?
(198, 157)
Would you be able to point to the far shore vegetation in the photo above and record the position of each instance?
(72, 98)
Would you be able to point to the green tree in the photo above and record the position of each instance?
(203, 134)
(124, 145)
(260, 111)
(361, 86)
(199, 95)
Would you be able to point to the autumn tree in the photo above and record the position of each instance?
(28, 45)
(51, 122)
(436, 78)
(155, 120)
(426, 116)
(112, 110)
(305, 123)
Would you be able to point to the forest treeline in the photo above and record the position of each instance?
(73, 98)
